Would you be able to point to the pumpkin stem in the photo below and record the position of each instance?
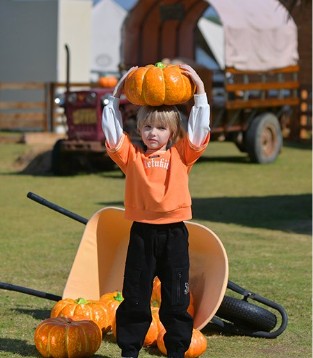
(160, 65)
(118, 296)
(81, 301)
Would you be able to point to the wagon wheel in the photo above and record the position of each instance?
(246, 315)
(264, 138)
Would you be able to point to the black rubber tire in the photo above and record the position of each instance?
(246, 315)
(263, 140)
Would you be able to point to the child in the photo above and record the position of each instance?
(157, 201)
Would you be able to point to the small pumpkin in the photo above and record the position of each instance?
(63, 337)
(159, 84)
(108, 81)
(90, 309)
(111, 300)
(197, 346)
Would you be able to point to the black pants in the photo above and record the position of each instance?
(155, 250)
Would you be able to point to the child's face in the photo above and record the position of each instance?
(155, 137)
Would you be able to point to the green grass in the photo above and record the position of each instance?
(262, 214)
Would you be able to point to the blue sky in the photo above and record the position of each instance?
(126, 4)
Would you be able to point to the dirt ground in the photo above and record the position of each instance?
(36, 159)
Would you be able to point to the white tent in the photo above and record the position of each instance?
(258, 34)
(107, 19)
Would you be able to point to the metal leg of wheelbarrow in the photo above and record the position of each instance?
(227, 327)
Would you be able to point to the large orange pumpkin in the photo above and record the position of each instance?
(159, 84)
(197, 346)
(63, 337)
(111, 300)
(90, 309)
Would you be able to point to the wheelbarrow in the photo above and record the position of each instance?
(99, 267)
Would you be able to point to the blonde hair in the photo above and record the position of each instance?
(165, 116)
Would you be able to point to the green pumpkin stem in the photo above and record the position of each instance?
(160, 65)
(118, 296)
(81, 301)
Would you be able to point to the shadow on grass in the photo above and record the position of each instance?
(37, 314)
(304, 145)
(289, 213)
(10, 345)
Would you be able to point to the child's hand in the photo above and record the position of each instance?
(192, 74)
(119, 87)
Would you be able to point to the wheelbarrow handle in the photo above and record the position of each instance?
(56, 207)
(29, 291)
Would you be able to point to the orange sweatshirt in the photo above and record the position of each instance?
(156, 188)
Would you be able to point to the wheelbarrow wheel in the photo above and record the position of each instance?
(246, 315)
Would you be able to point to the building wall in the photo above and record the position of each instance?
(32, 38)
(74, 29)
(28, 40)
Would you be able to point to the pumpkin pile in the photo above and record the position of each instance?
(157, 85)
(76, 326)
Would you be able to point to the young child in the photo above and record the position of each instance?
(157, 201)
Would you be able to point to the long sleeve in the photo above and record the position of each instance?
(199, 120)
(112, 123)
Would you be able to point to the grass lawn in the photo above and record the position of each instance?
(261, 213)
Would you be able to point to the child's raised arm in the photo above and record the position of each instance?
(192, 74)
(199, 118)
(120, 85)
(112, 122)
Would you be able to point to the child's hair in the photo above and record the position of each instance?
(166, 116)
